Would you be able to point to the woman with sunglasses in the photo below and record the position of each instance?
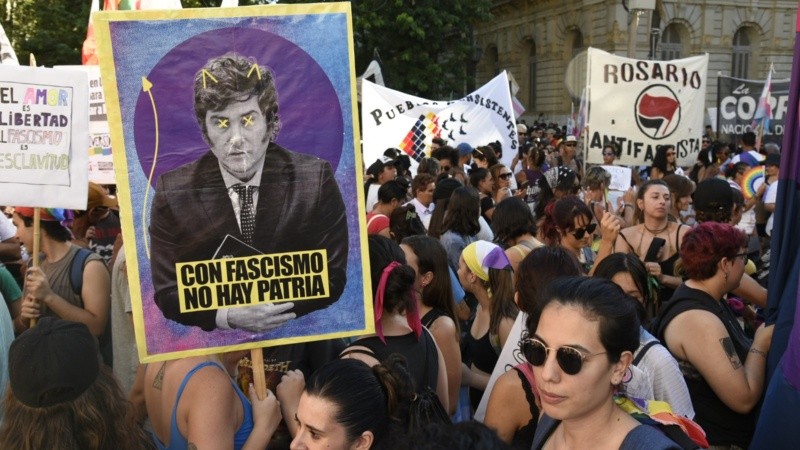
(511, 407)
(501, 189)
(582, 339)
(664, 162)
(655, 240)
(724, 370)
(484, 271)
(610, 153)
(569, 225)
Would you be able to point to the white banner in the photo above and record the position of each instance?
(643, 104)
(394, 119)
(101, 161)
(44, 134)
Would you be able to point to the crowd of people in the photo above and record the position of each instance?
(516, 306)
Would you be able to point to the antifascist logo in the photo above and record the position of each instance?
(658, 111)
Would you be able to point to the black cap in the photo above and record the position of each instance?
(713, 194)
(773, 159)
(53, 362)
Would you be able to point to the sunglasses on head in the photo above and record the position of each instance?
(580, 232)
(569, 359)
(505, 176)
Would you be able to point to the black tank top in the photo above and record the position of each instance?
(523, 438)
(431, 317)
(483, 355)
(722, 425)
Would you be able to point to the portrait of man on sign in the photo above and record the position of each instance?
(251, 234)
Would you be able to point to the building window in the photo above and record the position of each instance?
(532, 78)
(740, 67)
(576, 79)
(493, 60)
(671, 46)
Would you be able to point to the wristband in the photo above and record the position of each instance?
(758, 352)
(625, 205)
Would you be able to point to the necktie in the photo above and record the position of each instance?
(247, 214)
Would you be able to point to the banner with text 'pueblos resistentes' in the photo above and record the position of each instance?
(240, 186)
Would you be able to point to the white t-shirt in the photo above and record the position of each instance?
(771, 196)
(7, 228)
(372, 196)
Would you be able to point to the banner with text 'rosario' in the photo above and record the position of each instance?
(44, 135)
(641, 105)
(234, 150)
(393, 119)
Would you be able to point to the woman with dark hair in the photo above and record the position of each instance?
(514, 229)
(655, 240)
(558, 182)
(501, 188)
(724, 370)
(61, 397)
(533, 168)
(441, 199)
(481, 179)
(511, 408)
(422, 187)
(397, 323)
(404, 222)
(348, 405)
(484, 157)
(461, 224)
(582, 338)
(484, 271)
(569, 224)
(610, 153)
(436, 306)
(664, 162)
(661, 369)
(680, 192)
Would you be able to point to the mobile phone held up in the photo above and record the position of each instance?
(655, 247)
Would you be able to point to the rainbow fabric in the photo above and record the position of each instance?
(751, 181)
(654, 412)
(420, 136)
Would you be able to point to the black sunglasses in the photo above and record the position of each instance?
(569, 359)
(579, 232)
(505, 176)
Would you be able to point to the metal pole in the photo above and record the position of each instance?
(632, 29)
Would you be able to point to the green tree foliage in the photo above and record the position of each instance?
(426, 47)
(53, 30)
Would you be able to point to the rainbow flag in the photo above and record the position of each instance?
(777, 423)
(763, 112)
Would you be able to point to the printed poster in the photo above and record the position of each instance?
(642, 104)
(101, 162)
(240, 186)
(737, 101)
(43, 137)
(394, 119)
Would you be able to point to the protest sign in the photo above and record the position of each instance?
(43, 137)
(643, 104)
(737, 101)
(393, 119)
(620, 177)
(101, 162)
(240, 185)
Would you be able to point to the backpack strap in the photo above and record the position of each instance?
(644, 350)
(76, 269)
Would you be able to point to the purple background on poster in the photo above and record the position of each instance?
(302, 106)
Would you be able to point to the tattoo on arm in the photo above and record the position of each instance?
(158, 382)
(730, 350)
(191, 446)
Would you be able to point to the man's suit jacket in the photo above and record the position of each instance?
(299, 207)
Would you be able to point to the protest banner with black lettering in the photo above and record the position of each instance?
(737, 101)
(101, 162)
(394, 119)
(643, 104)
(241, 189)
(43, 137)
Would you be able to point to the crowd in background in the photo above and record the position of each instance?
(516, 306)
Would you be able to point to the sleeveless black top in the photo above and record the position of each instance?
(483, 355)
(722, 425)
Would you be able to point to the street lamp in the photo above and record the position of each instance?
(635, 8)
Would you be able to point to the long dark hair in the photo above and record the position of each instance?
(463, 212)
(540, 267)
(365, 398)
(397, 296)
(512, 218)
(100, 418)
(432, 257)
(629, 263)
(561, 216)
